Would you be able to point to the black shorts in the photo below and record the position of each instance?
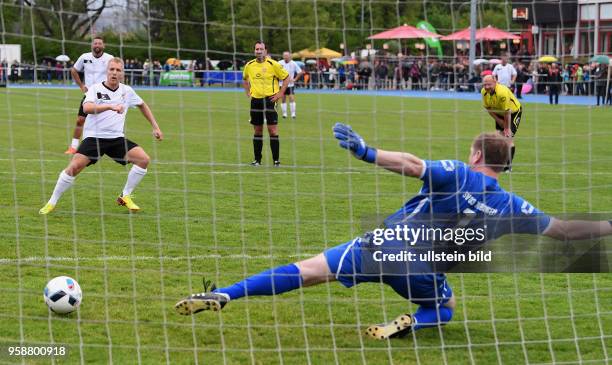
(261, 108)
(115, 148)
(515, 120)
(290, 90)
(81, 112)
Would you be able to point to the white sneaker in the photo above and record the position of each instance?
(293, 116)
(284, 115)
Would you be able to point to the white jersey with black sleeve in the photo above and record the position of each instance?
(93, 67)
(109, 124)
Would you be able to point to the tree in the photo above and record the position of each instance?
(66, 19)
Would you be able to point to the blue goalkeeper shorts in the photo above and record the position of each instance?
(429, 290)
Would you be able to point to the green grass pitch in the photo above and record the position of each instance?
(206, 213)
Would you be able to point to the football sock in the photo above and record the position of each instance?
(271, 282)
(134, 177)
(64, 182)
(511, 154)
(284, 108)
(257, 146)
(74, 143)
(292, 106)
(275, 147)
(428, 317)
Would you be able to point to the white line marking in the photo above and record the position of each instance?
(43, 259)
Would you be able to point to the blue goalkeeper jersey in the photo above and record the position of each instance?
(453, 195)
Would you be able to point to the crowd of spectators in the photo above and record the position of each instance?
(388, 72)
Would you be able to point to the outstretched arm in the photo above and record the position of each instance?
(400, 162)
(146, 111)
(577, 230)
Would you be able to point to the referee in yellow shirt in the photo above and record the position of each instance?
(505, 109)
(260, 82)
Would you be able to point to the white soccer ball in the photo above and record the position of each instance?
(63, 294)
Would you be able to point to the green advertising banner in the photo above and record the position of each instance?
(176, 78)
(431, 42)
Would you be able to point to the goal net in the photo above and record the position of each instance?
(207, 214)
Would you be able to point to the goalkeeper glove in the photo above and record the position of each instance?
(352, 141)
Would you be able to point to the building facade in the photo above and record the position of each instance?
(576, 29)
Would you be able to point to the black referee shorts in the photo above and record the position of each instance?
(515, 120)
(290, 90)
(115, 148)
(263, 108)
(81, 112)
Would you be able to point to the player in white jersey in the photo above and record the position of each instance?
(93, 64)
(106, 106)
(295, 72)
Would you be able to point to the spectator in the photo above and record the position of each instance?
(554, 84)
(579, 77)
(586, 74)
(398, 77)
(566, 75)
(146, 72)
(541, 75)
(341, 75)
(4, 71)
(59, 74)
(333, 76)
(444, 76)
(49, 72)
(521, 78)
(415, 76)
(157, 68)
(14, 74)
(137, 72)
(364, 76)
(599, 78)
(380, 73)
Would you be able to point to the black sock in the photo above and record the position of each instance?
(511, 154)
(275, 147)
(257, 147)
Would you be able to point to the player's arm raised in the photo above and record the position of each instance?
(400, 162)
(148, 114)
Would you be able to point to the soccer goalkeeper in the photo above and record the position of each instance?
(449, 187)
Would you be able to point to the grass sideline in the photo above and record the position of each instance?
(206, 213)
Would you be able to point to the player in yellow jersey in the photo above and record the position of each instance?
(504, 107)
(260, 81)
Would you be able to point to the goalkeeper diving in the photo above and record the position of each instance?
(450, 188)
